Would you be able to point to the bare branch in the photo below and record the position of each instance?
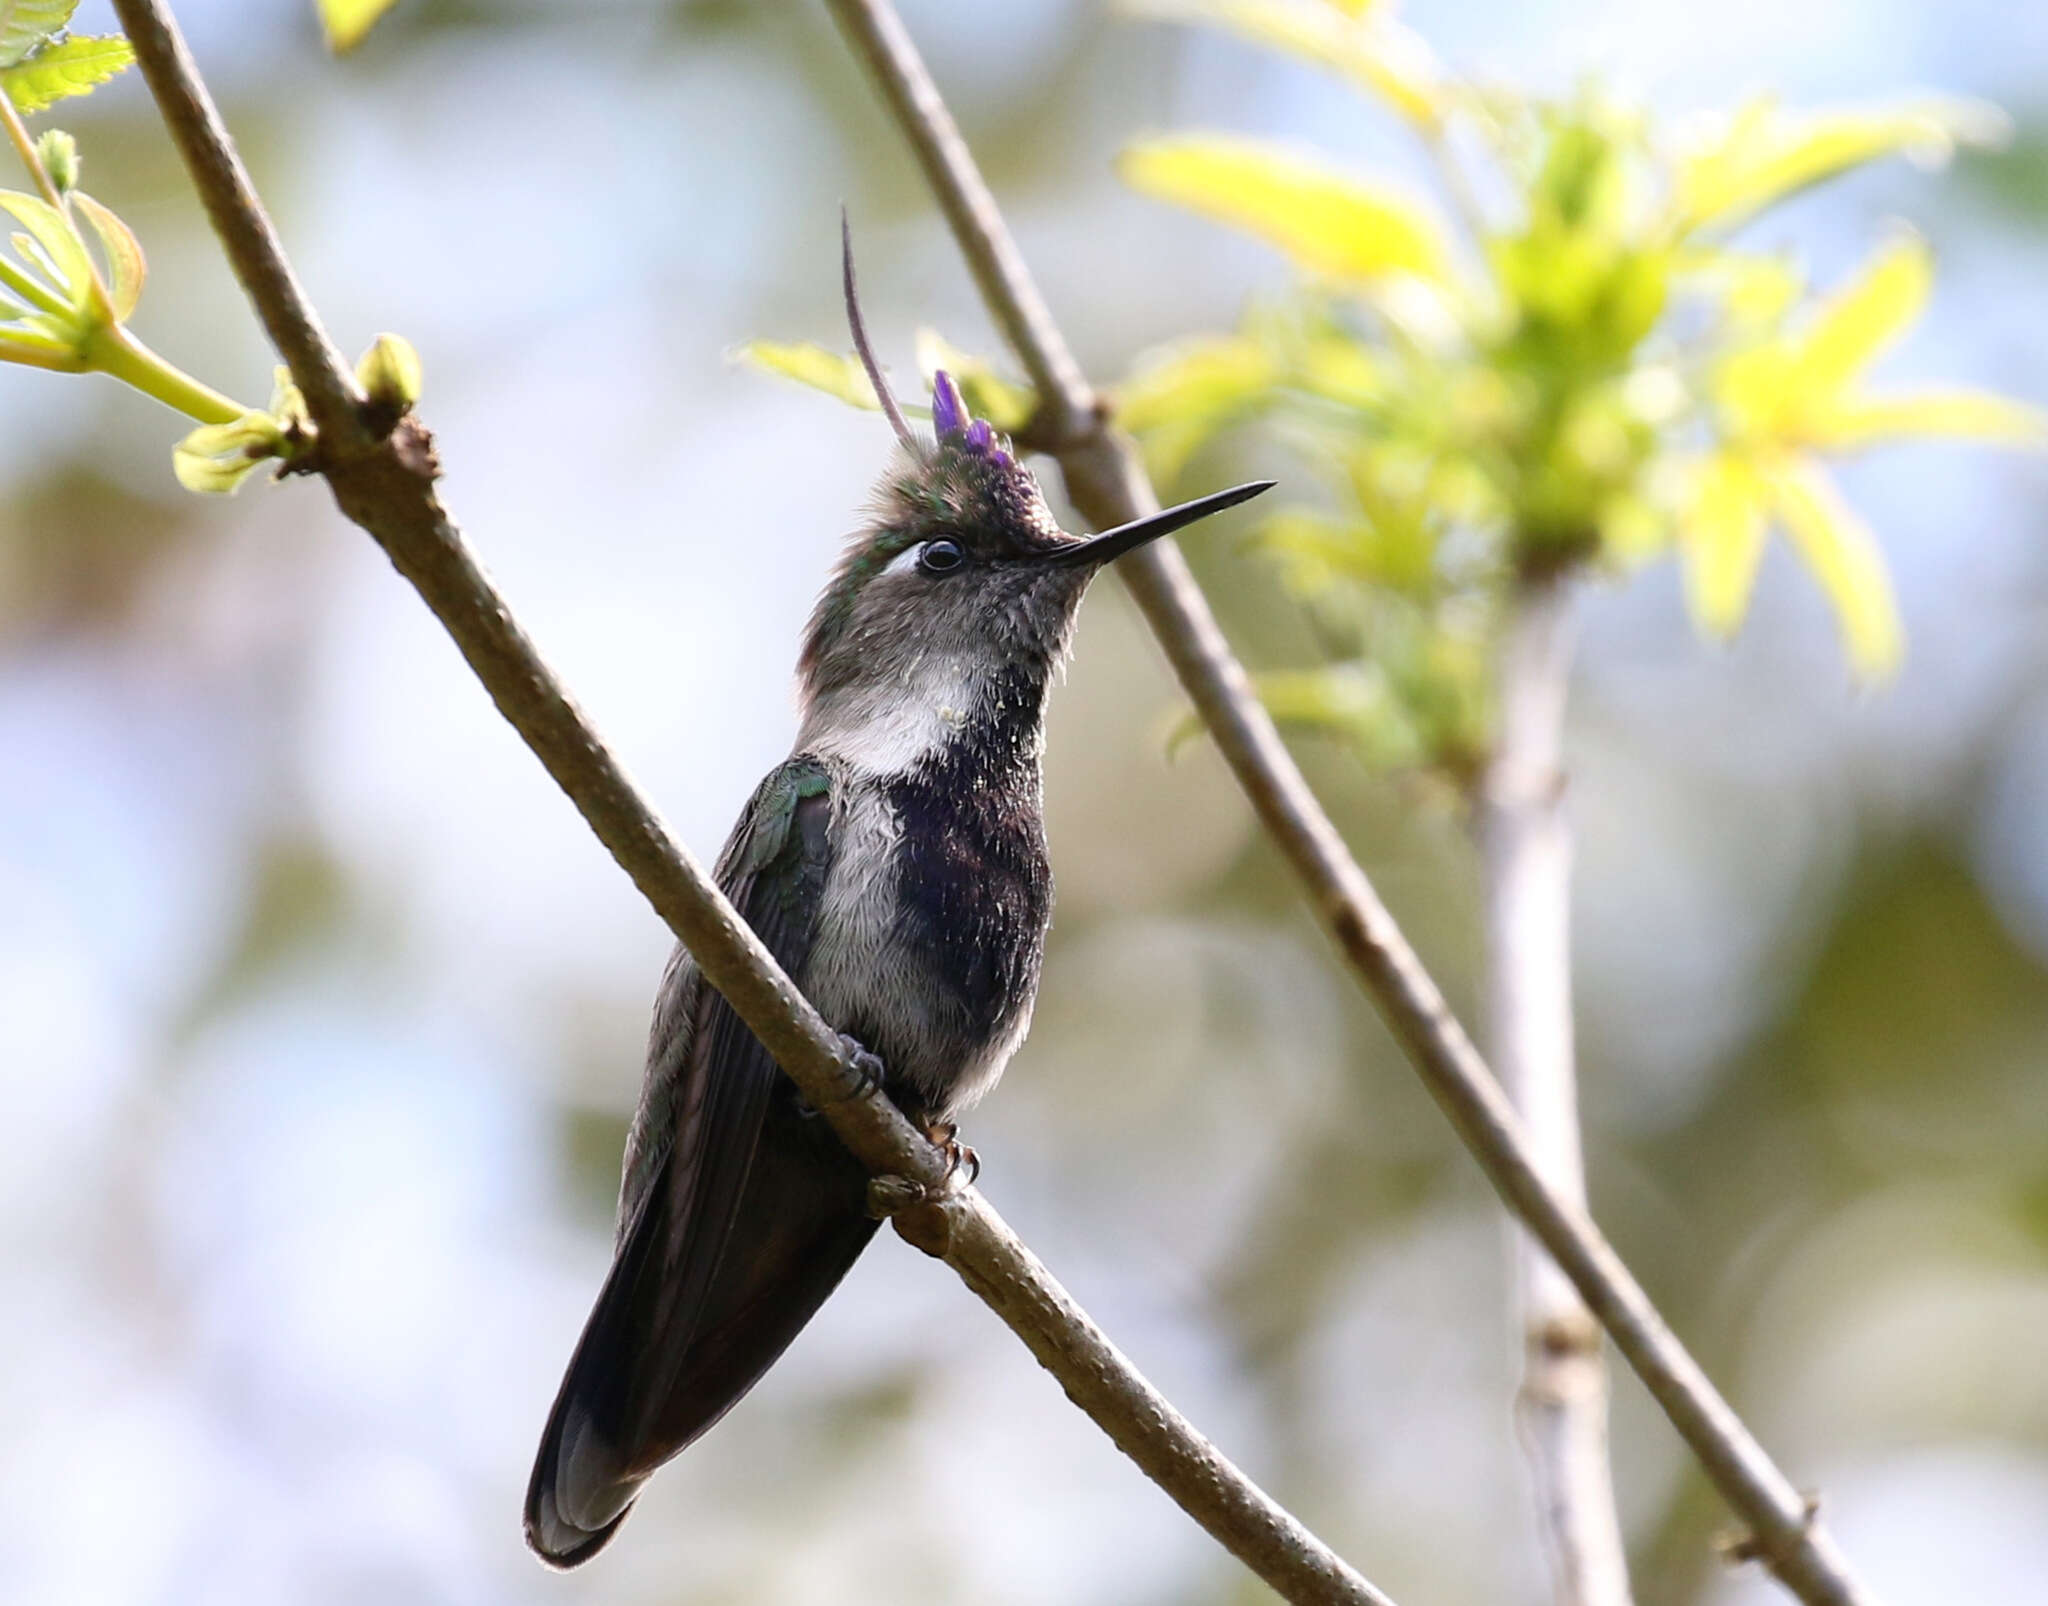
(1525, 840)
(387, 487)
(1106, 482)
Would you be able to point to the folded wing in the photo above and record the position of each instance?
(740, 1218)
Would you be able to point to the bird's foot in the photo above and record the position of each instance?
(947, 1136)
(860, 1073)
(923, 1211)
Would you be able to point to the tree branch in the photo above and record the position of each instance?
(1525, 841)
(387, 487)
(1106, 482)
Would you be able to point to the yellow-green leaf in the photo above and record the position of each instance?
(1724, 517)
(1340, 370)
(1180, 400)
(216, 458)
(1796, 391)
(126, 266)
(1328, 222)
(348, 21)
(1201, 378)
(1763, 153)
(808, 364)
(1757, 291)
(1350, 701)
(1857, 323)
(1316, 547)
(1371, 51)
(1844, 557)
(1957, 414)
(75, 66)
(51, 232)
(24, 24)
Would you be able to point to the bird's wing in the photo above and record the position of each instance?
(739, 1218)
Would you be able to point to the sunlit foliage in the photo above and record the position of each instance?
(1561, 360)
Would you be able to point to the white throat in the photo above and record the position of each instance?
(887, 727)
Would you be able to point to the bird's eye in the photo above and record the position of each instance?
(940, 557)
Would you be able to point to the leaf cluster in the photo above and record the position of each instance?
(1560, 360)
(64, 308)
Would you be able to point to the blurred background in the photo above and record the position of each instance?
(323, 1012)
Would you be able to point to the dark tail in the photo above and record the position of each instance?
(657, 1366)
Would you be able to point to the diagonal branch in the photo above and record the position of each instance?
(387, 486)
(1525, 840)
(1107, 484)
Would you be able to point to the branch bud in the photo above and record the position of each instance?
(58, 152)
(390, 375)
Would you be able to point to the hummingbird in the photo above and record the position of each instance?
(896, 867)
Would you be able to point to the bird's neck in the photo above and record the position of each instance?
(968, 719)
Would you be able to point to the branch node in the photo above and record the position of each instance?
(1058, 429)
(1567, 1335)
(1737, 1549)
(412, 444)
(921, 1213)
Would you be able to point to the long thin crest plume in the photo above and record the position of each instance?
(860, 338)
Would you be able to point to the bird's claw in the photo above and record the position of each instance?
(923, 1212)
(947, 1136)
(892, 1195)
(861, 1073)
(863, 1067)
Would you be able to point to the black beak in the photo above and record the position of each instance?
(1115, 543)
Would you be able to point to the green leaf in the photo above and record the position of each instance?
(126, 266)
(1755, 291)
(1725, 516)
(59, 247)
(1763, 154)
(1785, 390)
(216, 458)
(1184, 395)
(75, 67)
(808, 364)
(1352, 702)
(1201, 378)
(1340, 370)
(1957, 414)
(1327, 222)
(1844, 557)
(348, 22)
(30, 286)
(1318, 547)
(1857, 323)
(1372, 51)
(24, 24)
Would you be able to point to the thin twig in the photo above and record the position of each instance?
(388, 489)
(25, 148)
(245, 229)
(1106, 482)
(1525, 842)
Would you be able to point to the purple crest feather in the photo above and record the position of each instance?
(949, 413)
(950, 417)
